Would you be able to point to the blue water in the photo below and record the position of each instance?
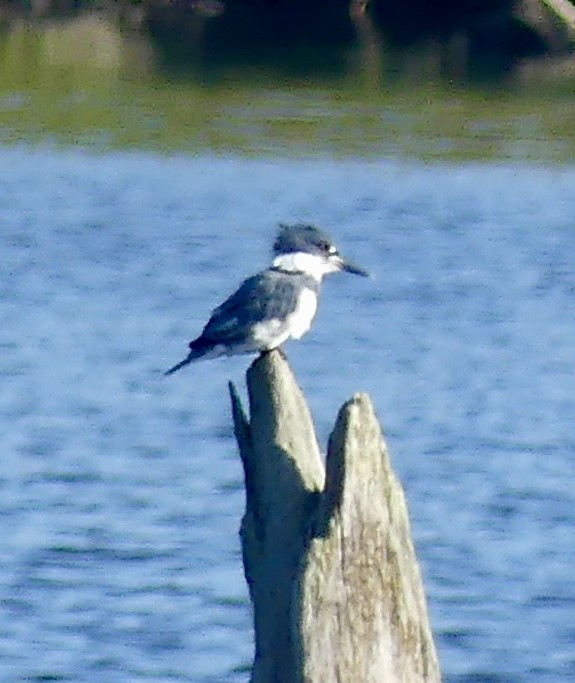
(121, 490)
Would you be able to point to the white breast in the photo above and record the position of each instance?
(271, 333)
(300, 320)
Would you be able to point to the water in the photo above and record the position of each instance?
(121, 490)
(131, 203)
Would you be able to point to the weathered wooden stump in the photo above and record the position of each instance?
(328, 556)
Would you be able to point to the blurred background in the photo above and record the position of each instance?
(148, 151)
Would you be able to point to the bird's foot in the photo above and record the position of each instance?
(278, 349)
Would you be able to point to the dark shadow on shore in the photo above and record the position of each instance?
(464, 40)
(458, 40)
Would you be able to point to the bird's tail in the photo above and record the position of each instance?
(197, 351)
(180, 365)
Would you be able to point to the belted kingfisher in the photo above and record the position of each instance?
(278, 303)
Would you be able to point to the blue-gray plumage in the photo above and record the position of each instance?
(275, 305)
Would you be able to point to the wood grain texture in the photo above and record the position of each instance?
(332, 572)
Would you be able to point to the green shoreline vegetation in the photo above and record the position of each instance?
(84, 80)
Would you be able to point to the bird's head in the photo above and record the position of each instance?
(307, 249)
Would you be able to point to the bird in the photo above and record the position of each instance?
(276, 304)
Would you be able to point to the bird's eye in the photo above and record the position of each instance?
(331, 250)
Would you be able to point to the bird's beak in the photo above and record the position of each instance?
(351, 267)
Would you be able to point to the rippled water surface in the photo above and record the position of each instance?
(133, 198)
(121, 491)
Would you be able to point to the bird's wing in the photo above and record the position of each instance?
(264, 296)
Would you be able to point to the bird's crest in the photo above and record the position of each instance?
(302, 237)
